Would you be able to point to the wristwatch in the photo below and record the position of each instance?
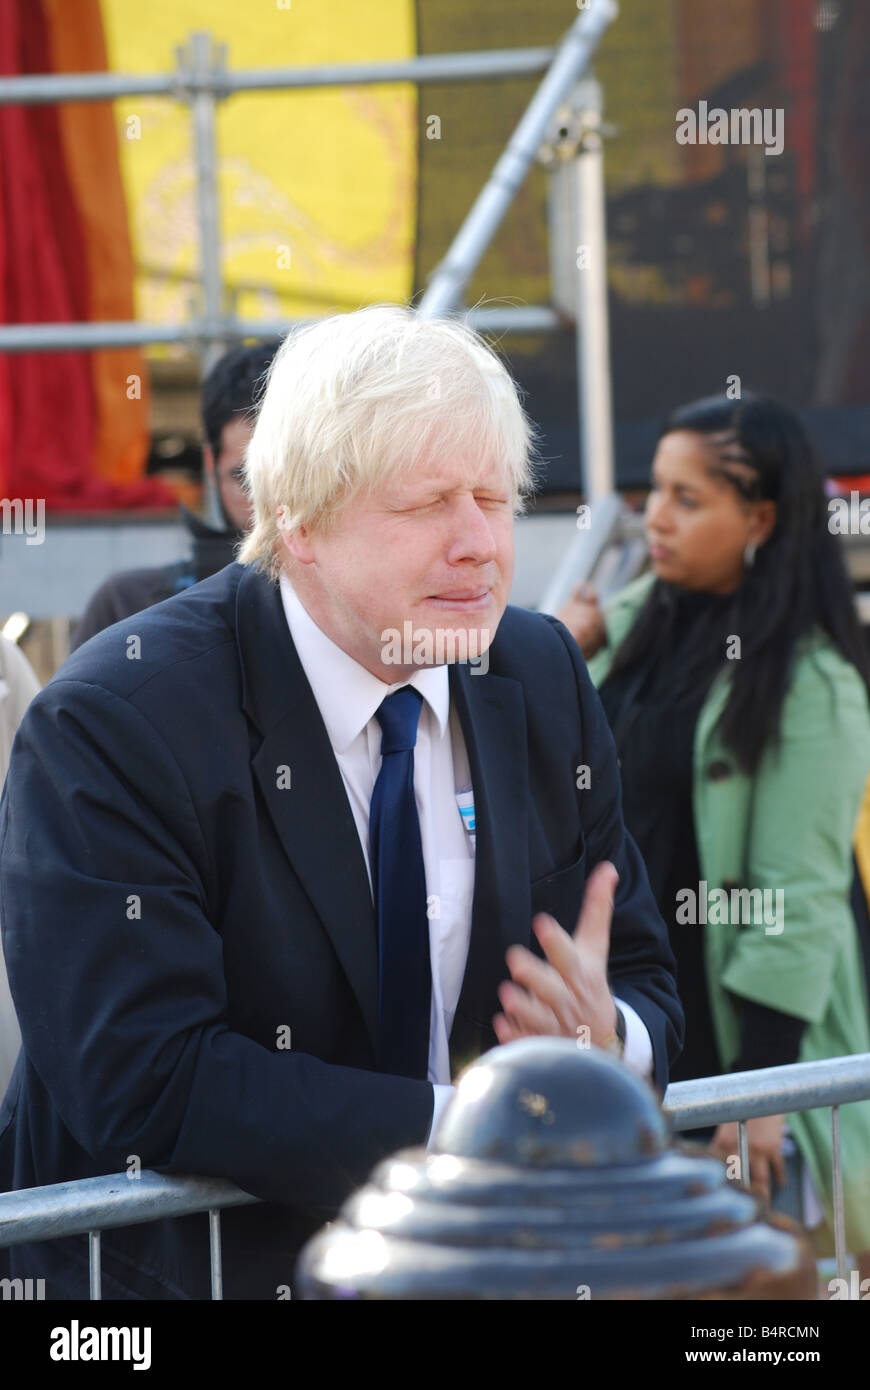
(615, 1043)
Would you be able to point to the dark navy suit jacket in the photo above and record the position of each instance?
(170, 909)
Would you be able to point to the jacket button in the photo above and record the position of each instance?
(718, 770)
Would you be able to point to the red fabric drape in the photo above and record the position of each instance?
(5, 388)
(47, 409)
(89, 139)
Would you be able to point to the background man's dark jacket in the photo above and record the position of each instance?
(129, 591)
(169, 909)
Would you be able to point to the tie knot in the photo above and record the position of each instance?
(398, 716)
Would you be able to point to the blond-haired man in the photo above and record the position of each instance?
(293, 827)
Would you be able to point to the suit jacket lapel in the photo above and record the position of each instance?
(312, 816)
(315, 824)
(492, 714)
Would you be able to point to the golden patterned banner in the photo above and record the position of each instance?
(318, 187)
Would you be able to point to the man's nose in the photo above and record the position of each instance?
(471, 535)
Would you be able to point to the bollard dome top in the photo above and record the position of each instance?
(546, 1103)
(551, 1177)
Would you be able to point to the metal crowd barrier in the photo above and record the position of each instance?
(93, 1205)
(746, 1095)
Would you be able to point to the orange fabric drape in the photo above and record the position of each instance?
(90, 147)
(68, 432)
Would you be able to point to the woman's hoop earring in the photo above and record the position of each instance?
(749, 555)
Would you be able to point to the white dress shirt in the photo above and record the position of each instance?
(348, 697)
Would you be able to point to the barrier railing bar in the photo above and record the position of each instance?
(839, 1209)
(95, 1274)
(713, 1100)
(40, 89)
(214, 1243)
(95, 1204)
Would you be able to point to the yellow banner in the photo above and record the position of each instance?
(317, 187)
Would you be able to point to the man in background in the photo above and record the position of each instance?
(229, 398)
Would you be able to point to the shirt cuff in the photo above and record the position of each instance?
(443, 1094)
(637, 1054)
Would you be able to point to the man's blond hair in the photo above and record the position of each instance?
(357, 398)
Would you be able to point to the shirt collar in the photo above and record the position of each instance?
(347, 694)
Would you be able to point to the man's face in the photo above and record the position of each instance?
(433, 549)
(228, 472)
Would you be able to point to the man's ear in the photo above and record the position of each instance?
(296, 542)
(208, 459)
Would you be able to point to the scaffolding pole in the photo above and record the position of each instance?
(46, 88)
(451, 277)
(586, 173)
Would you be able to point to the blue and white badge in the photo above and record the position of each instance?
(465, 802)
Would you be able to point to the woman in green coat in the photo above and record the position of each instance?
(735, 680)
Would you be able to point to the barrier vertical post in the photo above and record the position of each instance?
(839, 1211)
(95, 1275)
(214, 1243)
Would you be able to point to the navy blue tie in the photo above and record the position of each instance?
(399, 889)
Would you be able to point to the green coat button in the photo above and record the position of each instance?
(719, 770)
